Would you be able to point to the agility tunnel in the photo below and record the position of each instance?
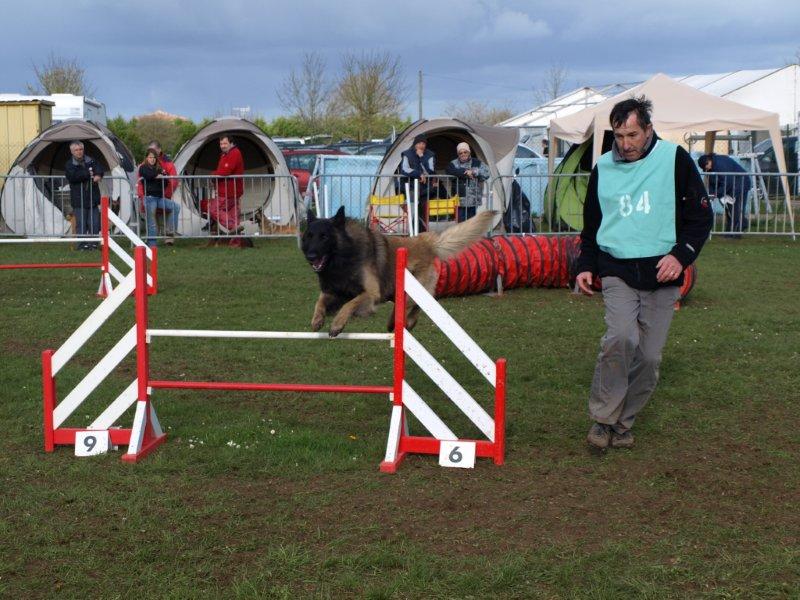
(508, 262)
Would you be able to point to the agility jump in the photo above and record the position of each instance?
(107, 245)
(146, 434)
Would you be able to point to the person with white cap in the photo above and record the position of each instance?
(470, 173)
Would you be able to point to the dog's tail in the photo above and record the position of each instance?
(454, 239)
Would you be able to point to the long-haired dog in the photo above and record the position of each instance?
(356, 265)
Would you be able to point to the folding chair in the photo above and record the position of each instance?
(443, 207)
(388, 213)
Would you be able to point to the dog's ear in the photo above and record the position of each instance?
(310, 216)
(338, 218)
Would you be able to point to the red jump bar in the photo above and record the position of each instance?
(54, 266)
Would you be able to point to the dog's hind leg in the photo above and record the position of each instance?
(362, 305)
(320, 309)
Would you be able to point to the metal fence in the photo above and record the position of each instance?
(248, 206)
(199, 206)
(744, 203)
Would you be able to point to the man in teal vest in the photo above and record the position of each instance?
(646, 217)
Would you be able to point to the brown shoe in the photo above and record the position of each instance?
(622, 440)
(599, 435)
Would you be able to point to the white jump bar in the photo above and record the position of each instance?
(37, 240)
(286, 335)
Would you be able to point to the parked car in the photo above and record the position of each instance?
(767, 161)
(375, 149)
(348, 146)
(524, 151)
(768, 164)
(301, 163)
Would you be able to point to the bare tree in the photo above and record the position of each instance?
(60, 75)
(480, 112)
(553, 83)
(371, 88)
(306, 93)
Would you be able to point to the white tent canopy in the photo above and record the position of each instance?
(37, 206)
(270, 198)
(677, 108)
(494, 146)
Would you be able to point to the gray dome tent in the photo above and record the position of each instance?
(272, 200)
(39, 206)
(495, 146)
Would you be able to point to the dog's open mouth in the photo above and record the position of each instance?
(319, 263)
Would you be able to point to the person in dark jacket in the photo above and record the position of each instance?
(732, 190)
(646, 218)
(153, 183)
(470, 173)
(83, 174)
(420, 163)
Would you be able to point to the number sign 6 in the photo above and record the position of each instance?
(457, 454)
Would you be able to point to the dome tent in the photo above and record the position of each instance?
(273, 199)
(38, 206)
(494, 146)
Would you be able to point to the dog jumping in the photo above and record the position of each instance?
(356, 265)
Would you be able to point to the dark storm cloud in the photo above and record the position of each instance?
(198, 58)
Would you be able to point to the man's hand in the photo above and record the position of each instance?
(96, 178)
(423, 179)
(469, 173)
(669, 269)
(584, 281)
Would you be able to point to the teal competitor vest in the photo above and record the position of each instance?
(637, 201)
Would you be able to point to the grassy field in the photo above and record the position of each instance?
(279, 495)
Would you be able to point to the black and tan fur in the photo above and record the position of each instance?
(356, 265)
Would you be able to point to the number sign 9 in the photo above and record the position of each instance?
(91, 443)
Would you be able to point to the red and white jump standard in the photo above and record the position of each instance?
(146, 434)
(106, 242)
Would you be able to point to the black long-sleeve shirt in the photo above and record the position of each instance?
(693, 221)
(83, 191)
(153, 186)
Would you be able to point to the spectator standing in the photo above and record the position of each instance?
(730, 188)
(419, 163)
(469, 173)
(84, 174)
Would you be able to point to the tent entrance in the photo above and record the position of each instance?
(257, 161)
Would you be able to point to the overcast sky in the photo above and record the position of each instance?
(202, 58)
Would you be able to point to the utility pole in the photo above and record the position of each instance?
(419, 85)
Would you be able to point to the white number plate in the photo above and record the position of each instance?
(91, 443)
(457, 454)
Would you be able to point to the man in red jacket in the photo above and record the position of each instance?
(224, 209)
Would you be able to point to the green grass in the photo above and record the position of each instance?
(706, 505)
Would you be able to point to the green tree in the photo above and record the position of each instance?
(370, 90)
(126, 131)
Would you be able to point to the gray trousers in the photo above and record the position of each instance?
(637, 323)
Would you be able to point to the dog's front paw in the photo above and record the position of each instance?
(317, 322)
(335, 331)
